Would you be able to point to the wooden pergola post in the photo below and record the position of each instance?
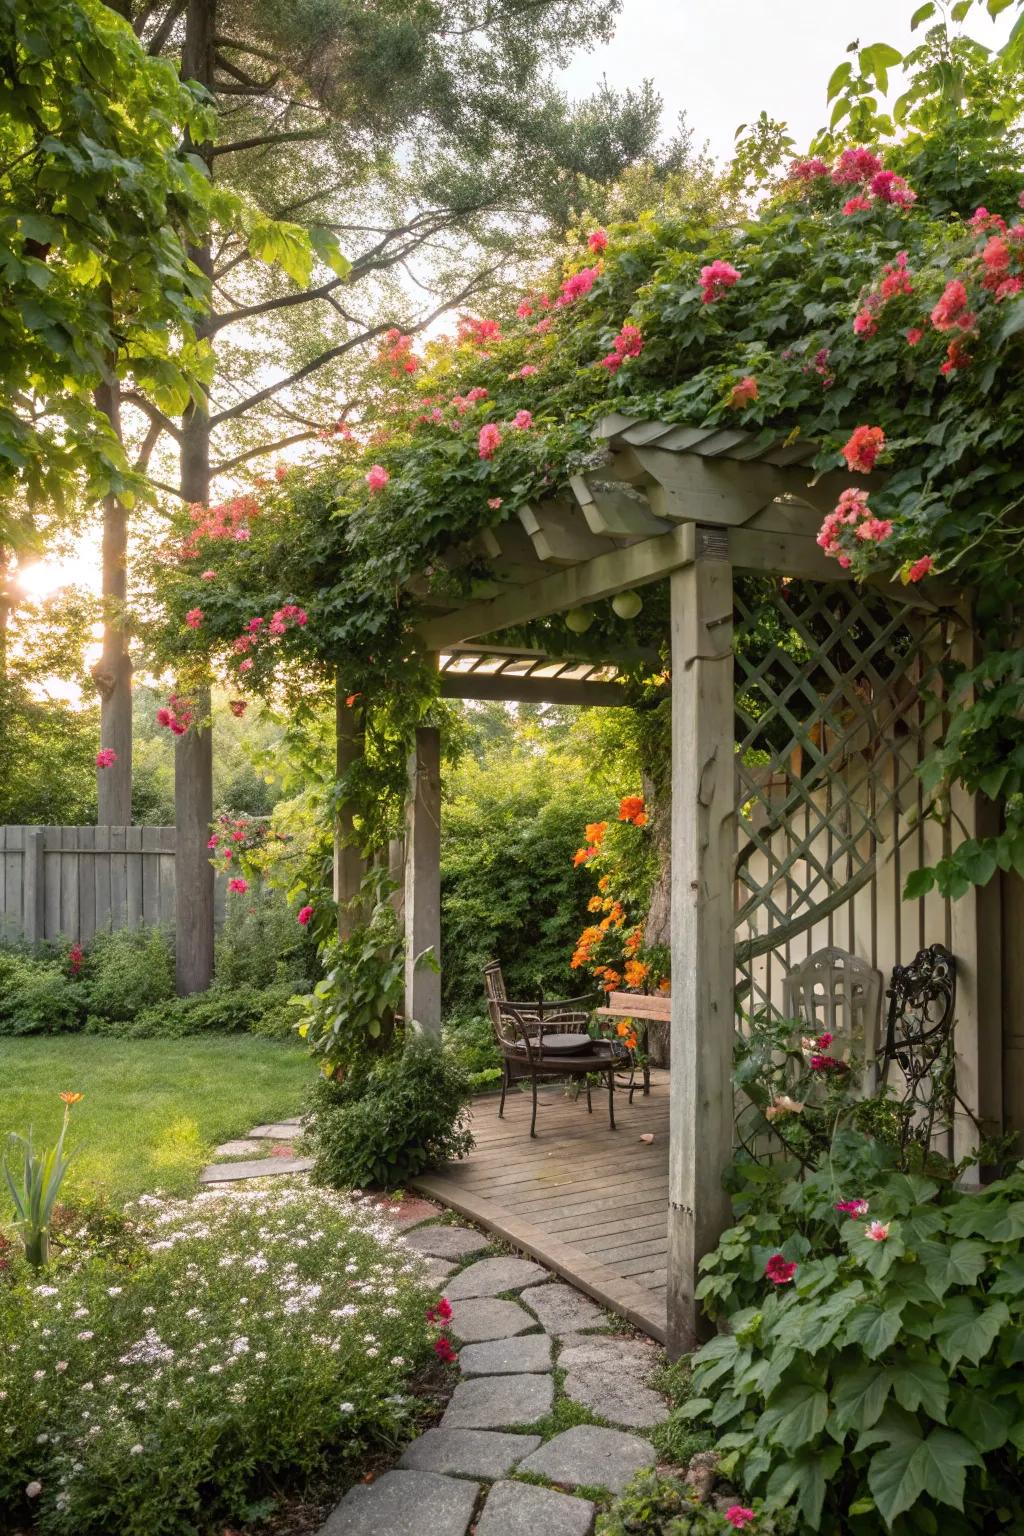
(348, 861)
(703, 835)
(423, 880)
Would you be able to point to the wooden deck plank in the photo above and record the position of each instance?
(589, 1202)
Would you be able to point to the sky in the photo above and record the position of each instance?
(725, 61)
(720, 61)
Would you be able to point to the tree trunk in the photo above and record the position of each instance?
(193, 753)
(112, 674)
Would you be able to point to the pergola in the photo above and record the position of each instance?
(798, 721)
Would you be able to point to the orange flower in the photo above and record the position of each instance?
(611, 979)
(640, 819)
(636, 973)
(633, 942)
(595, 831)
(626, 1031)
(72, 1098)
(604, 882)
(595, 904)
(630, 807)
(664, 985)
(580, 857)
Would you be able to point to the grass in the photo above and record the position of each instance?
(153, 1109)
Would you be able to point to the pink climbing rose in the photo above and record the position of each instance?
(856, 165)
(858, 204)
(863, 448)
(523, 420)
(194, 618)
(854, 1208)
(738, 1515)
(305, 913)
(715, 279)
(780, 1270)
(914, 335)
(878, 1231)
(238, 886)
(951, 312)
(807, 170)
(105, 757)
(744, 392)
(920, 568)
(377, 478)
(489, 440)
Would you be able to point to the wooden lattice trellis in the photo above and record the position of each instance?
(832, 719)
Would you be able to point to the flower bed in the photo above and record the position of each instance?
(234, 1343)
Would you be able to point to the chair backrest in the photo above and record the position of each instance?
(837, 992)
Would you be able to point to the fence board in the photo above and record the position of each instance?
(150, 865)
(133, 875)
(13, 879)
(52, 857)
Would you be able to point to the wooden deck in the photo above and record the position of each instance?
(589, 1202)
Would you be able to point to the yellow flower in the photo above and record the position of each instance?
(72, 1098)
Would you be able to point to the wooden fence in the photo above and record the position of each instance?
(72, 882)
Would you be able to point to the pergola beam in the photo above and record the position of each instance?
(513, 689)
(636, 566)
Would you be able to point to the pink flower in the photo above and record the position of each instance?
(744, 392)
(857, 204)
(715, 279)
(864, 322)
(807, 170)
(214, 840)
(628, 343)
(208, 576)
(957, 356)
(444, 1310)
(890, 188)
(194, 618)
(779, 1270)
(523, 420)
(527, 370)
(1008, 287)
(914, 335)
(598, 240)
(920, 568)
(476, 393)
(577, 285)
(244, 666)
(444, 1351)
(489, 440)
(494, 502)
(819, 1063)
(896, 277)
(951, 312)
(305, 913)
(738, 1515)
(856, 165)
(823, 1041)
(105, 757)
(863, 448)
(377, 478)
(854, 1208)
(524, 310)
(280, 471)
(878, 1231)
(238, 886)
(254, 626)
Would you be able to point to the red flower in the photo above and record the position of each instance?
(715, 279)
(744, 392)
(239, 886)
(863, 448)
(738, 1515)
(779, 1270)
(444, 1351)
(598, 240)
(106, 757)
(631, 808)
(305, 913)
(920, 568)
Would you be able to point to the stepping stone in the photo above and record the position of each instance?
(473, 1321)
(226, 1173)
(588, 1457)
(402, 1214)
(436, 1271)
(499, 1402)
(405, 1504)
(447, 1242)
(468, 1452)
(489, 1277)
(519, 1509)
(609, 1376)
(244, 1147)
(279, 1130)
(507, 1357)
(562, 1310)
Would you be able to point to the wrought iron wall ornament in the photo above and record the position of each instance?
(919, 1039)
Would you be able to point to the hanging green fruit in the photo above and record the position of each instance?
(627, 604)
(579, 620)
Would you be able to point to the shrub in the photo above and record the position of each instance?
(471, 1042)
(873, 1360)
(260, 943)
(128, 971)
(381, 1127)
(38, 997)
(662, 1506)
(262, 1338)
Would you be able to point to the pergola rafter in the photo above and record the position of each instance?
(764, 852)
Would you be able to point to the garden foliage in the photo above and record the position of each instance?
(174, 1379)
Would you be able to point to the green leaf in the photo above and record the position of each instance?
(986, 1423)
(959, 1265)
(860, 1395)
(896, 1480)
(921, 1383)
(960, 10)
(807, 1475)
(840, 76)
(795, 1416)
(964, 1331)
(996, 7)
(923, 13)
(873, 1327)
(943, 1460)
(1013, 320)
(918, 883)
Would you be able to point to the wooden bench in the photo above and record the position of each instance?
(640, 1006)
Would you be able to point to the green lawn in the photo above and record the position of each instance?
(152, 1109)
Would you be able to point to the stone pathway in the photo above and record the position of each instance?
(515, 1326)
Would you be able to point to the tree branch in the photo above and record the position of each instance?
(288, 301)
(255, 453)
(292, 136)
(166, 27)
(149, 442)
(156, 416)
(240, 47)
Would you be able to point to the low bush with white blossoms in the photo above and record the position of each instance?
(249, 1340)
